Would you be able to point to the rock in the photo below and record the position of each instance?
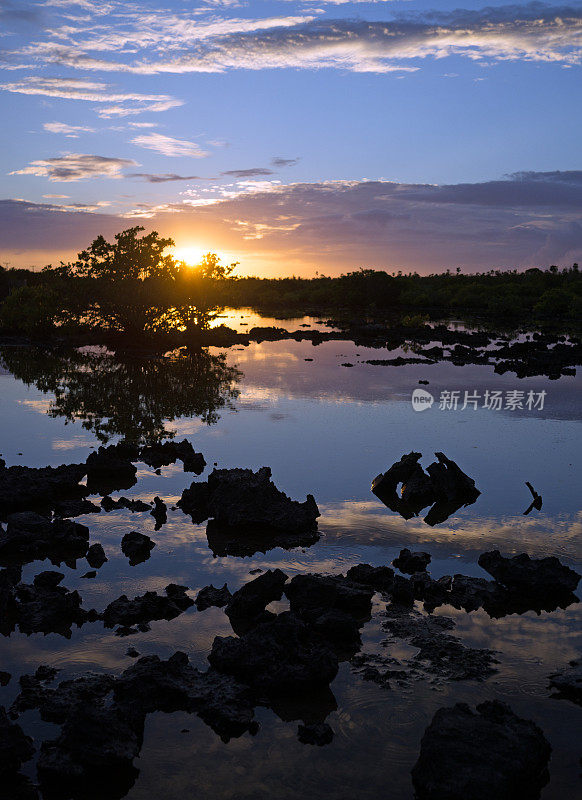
(90, 574)
(311, 595)
(15, 746)
(174, 685)
(380, 579)
(450, 482)
(491, 753)
(194, 501)
(280, 655)
(243, 498)
(319, 734)
(75, 508)
(147, 607)
(30, 537)
(97, 746)
(110, 468)
(209, 596)
(4, 678)
(339, 629)
(253, 597)
(45, 607)
(159, 512)
(411, 562)
(568, 682)
(137, 547)
(160, 455)
(445, 485)
(45, 673)
(530, 576)
(22, 488)
(96, 556)
(132, 652)
(48, 579)
(109, 504)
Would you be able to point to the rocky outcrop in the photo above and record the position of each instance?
(491, 753)
(109, 504)
(568, 682)
(30, 537)
(147, 607)
(210, 596)
(253, 597)
(445, 488)
(96, 556)
(137, 547)
(410, 563)
(111, 468)
(537, 577)
(23, 488)
(241, 498)
(162, 454)
(280, 655)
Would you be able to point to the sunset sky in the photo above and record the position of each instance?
(294, 137)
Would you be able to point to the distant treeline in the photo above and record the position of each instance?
(130, 286)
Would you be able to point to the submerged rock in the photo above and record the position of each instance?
(30, 537)
(137, 547)
(491, 753)
(411, 562)
(210, 596)
(147, 607)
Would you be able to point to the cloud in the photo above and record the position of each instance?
(284, 162)
(168, 146)
(93, 92)
(142, 124)
(76, 167)
(164, 178)
(528, 219)
(171, 43)
(70, 131)
(247, 173)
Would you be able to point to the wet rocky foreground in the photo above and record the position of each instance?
(279, 659)
(178, 618)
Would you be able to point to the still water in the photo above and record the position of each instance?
(328, 430)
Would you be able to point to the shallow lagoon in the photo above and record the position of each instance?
(327, 429)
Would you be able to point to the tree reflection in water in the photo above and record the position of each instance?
(129, 395)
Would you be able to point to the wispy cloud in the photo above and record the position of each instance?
(168, 146)
(70, 131)
(171, 43)
(253, 172)
(167, 177)
(128, 103)
(76, 167)
(284, 162)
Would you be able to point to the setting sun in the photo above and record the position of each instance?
(190, 254)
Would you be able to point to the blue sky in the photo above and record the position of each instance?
(294, 136)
